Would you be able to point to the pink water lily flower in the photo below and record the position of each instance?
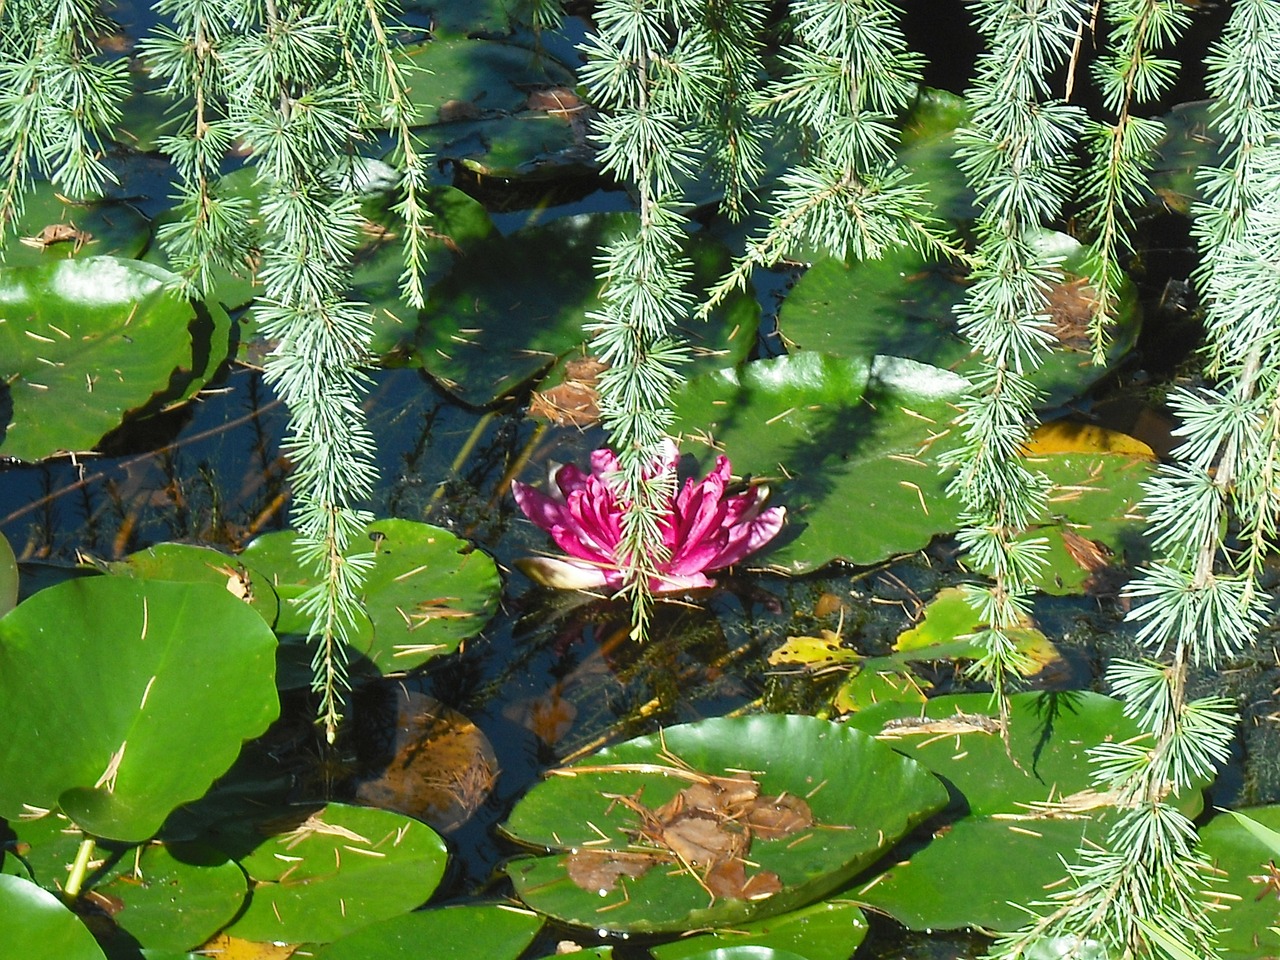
(704, 530)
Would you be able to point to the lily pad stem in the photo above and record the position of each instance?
(79, 868)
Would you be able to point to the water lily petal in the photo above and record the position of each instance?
(562, 574)
(675, 583)
(546, 512)
(746, 538)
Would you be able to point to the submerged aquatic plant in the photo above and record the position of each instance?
(703, 530)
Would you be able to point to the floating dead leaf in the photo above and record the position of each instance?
(955, 725)
(1070, 308)
(707, 830)
(441, 766)
(823, 652)
(772, 817)
(557, 101)
(599, 870)
(828, 604)
(574, 401)
(452, 110)
(1069, 436)
(58, 233)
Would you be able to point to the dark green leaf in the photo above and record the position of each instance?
(830, 930)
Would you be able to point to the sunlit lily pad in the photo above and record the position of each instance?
(38, 926)
(175, 670)
(979, 871)
(54, 228)
(428, 590)
(177, 896)
(903, 305)
(823, 931)
(861, 800)
(84, 342)
(188, 563)
(957, 738)
(1249, 886)
(947, 630)
(320, 874)
(472, 932)
(840, 440)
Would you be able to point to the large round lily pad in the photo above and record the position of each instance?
(39, 927)
(471, 932)
(160, 671)
(858, 799)
(841, 440)
(188, 563)
(85, 341)
(904, 305)
(427, 591)
(54, 228)
(822, 931)
(320, 874)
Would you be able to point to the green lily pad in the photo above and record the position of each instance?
(956, 737)
(460, 224)
(177, 897)
(426, 593)
(946, 633)
(319, 875)
(862, 800)
(829, 930)
(472, 932)
(43, 848)
(188, 563)
(977, 872)
(84, 342)
(8, 577)
(880, 680)
(524, 146)
(1243, 864)
(39, 927)
(1093, 497)
(45, 230)
(1190, 143)
(903, 305)
(840, 439)
(166, 670)
(462, 18)
(466, 78)
(927, 149)
(484, 340)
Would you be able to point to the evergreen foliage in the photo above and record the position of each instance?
(681, 86)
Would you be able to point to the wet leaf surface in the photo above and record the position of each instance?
(39, 927)
(474, 932)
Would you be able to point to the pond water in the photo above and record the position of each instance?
(554, 676)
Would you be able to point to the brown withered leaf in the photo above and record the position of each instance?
(59, 233)
(770, 818)
(1070, 308)
(557, 101)
(699, 842)
(574, 401)
(598, 870)
(761, 886)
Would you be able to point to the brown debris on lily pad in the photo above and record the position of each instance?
(706, 830)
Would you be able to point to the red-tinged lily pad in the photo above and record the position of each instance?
(860, 798)
(1248, 883)
(84, 342)
(176, 669)
(472, 932)
(426, 592)
(38, 926)
(321, 873)
(839, 440)
(823, 931)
